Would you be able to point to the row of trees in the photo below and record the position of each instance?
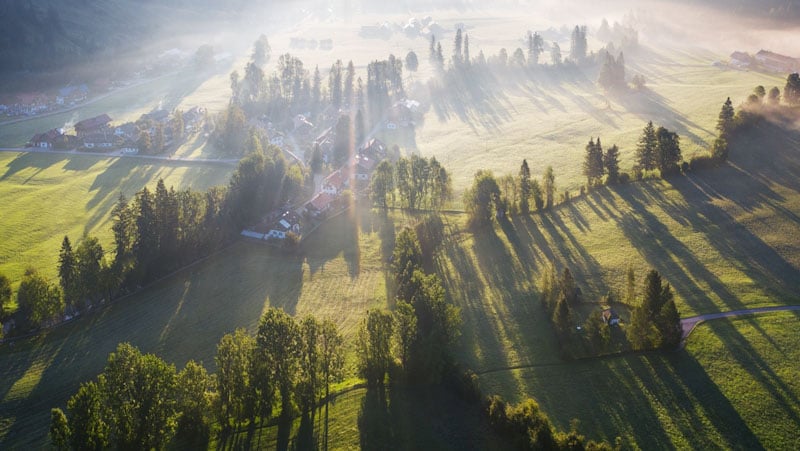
(141, 402)
(418, 336)
(418, 182)
(489, 196)
(655, 322)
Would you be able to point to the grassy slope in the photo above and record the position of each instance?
(49, 196)
(338, 276)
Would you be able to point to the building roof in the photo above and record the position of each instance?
(48, 136)
(609, 313)
(321, 201)
(337, 179)
(99, 138)
(365, 164)
(741, 56)
(93, 123)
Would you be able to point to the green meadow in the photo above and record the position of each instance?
(47, 196)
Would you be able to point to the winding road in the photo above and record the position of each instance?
(688, 324)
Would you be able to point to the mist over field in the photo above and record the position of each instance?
(411, 224)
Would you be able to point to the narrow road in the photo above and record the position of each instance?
(119, 154)
(688, 324)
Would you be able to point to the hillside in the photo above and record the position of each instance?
(724, 239)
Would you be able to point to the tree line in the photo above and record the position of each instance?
(140, 401)
(416, 182)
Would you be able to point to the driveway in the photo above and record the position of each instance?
(688, 324)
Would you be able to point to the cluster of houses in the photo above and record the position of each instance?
(414, 27)
(765, 60)
(35, 103)
(354, 175)
(97, 133)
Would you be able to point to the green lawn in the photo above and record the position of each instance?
(735, 386)
(548, 120)
(48, 196)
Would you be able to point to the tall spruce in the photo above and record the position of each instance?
(725, 120)
(611, 164)
(647, 147)
(668, 150)
(524, 187)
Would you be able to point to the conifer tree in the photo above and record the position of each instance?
(646, 148)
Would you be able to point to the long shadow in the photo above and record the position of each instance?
(39, 161)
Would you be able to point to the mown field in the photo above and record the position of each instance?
(48, 196)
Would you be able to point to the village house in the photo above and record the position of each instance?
(158, 116)
(364, 166)
(46, 140)
(373, 148)
(92, 125)
(320, 204)
(193, 118)
(776, 62)
(128, 130)
(335, 183)
(102, 139)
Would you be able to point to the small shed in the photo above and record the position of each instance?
(610, 317)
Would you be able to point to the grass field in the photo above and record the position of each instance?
(339, 275)
(48, 196)
(724, 239)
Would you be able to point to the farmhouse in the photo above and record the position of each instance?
(46, 140)
(335, 183)
(92, 125)
(128, 130)
(98, 140)
(777, 62)
(320, 203)
(374, 148)
(364, 166)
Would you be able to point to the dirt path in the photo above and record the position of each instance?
(688, 324)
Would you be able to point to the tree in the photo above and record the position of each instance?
(481, 200)
(524, 187)
(382, 184)
(38, 301)
(68, 271)
(535, 47)
(593, 162)
(88, 415)
(725, 120)
(466, 58)
(278, 346)
(668, 150)
(578, 45)
(630, 285)
(562, 318)
(331, 357)
(343, 145)
(549, 187)
(760, 92)
(412, 62)
(373, 343)
(233, 361)
(791, 92)
(555, 54)
(406, 258)
(309, 382)
(59, 429)
(261, 51)
(90, 262)
(595, 330)
(568, 288)
(611, 164)
(457, 43)
(656, 322)
(519, 57)
(646, 149)
(139, 391)
(537, 195)
(774, 96)
(405, 321)
(5, 294)
(193, 401)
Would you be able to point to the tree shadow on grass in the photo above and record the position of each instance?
(40, 161)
